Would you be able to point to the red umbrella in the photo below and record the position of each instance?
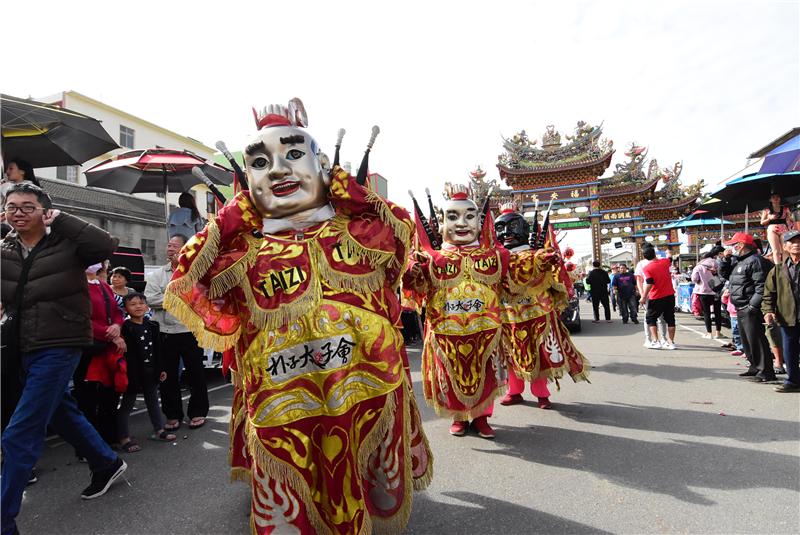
(155, 171)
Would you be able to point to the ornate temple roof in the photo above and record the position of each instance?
(584, 148)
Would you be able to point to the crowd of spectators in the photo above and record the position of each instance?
(79, 345)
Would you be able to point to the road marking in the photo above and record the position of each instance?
(721, 342)
(140, 411)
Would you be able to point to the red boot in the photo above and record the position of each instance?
(512, 399)
(544, 403)
(459, 428)
(481, 425)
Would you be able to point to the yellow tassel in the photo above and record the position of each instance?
(403, 229)
(235, 274)
(366, 283)
(205, 258)
(284, 473)
(285, 313)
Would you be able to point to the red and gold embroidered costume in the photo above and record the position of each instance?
(324, 421)
(463, 319)
(536, 343)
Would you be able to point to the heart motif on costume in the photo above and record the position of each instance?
(521, 334)
(331, 444)
(465, 349)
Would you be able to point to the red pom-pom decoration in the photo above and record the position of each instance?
(569, 252)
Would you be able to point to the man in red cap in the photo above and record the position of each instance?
(747, 279)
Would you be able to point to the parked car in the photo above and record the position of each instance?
(572, 315)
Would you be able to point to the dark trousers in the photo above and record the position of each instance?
(791, 354)
(628, 307)
(597, 300)
(148, 378)
(173, 348)
(754, 340)
(97, 402)
(709, 302)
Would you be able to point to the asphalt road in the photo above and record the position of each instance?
(659, 442)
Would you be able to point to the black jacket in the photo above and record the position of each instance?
(599, 280)
(747, 278)
(55, 309)
(134, 355)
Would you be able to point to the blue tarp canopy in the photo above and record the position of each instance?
(698, 222)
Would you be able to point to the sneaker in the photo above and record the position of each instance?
(635, 322)
(459, 428)
(481, 425)
(103, 479)
(652, 345)
(34, 477)
(512, 399)
(668, 345)
(787, 387)
(780, 370)
(544, 403)
(736, 353)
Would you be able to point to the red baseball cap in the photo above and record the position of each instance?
(741, 237)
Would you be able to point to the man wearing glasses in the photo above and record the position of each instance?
(44, 329)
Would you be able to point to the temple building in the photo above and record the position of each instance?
(628, 205)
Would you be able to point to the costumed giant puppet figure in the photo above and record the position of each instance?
(536, 345)
(298, 275)
(461, 284)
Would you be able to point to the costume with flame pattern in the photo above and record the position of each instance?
(536, 345)
(298, 275)
(461, 284)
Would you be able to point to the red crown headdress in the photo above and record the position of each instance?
(456, 192)
(279, 115)
(508, 208)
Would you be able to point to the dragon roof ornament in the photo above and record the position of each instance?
(630, 172)
(584, 145)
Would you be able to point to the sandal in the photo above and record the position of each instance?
(130, 447)
(163, 436)
(197, 422)
(173, 427)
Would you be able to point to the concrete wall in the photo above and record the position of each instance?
(130, 233)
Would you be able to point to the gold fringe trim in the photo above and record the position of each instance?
(378, 431)
(398, 521)
(240, 473)
(477, 410)
(205, 338)
(205, 258)
(283, 472)
(446, 283)
(402, 229)
(375, 257)
(234, 274)
(489, 280)
(422, 482)
(362, 283)
(467, 400)
(285, 313)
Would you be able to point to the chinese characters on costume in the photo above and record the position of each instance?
(299, 275)
(461, 283)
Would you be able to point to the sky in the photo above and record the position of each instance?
(702, 82)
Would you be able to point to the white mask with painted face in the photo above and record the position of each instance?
(286, 174)
(461, 222)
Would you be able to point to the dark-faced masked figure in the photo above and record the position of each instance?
(512, 229)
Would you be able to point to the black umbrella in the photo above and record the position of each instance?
(155, 171)
(49, 136)
(749, 193)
